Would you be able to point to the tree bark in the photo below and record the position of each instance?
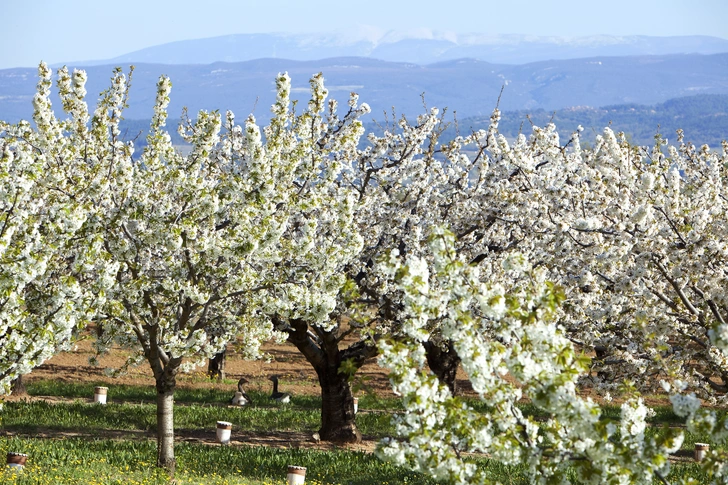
(443, 361)
(17, 387)
(216, 366)
(338, 422)
(165, 429)
(165, 370)
(321, 350)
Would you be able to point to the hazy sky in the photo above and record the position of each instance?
(75, 30)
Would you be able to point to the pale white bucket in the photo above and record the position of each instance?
(224, 429)
(16, 460)
(100, 394)
(296, 475)
(700, 450)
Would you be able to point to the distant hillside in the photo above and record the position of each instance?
(468, 86)
(422, 49)
(703, 118)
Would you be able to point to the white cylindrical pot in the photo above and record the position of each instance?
(700, 450)
(296, 475)
(100, 394)
(224, 429)
(356, 405)
(16, 460)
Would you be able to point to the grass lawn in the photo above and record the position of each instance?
(130, 462)
(116, 444)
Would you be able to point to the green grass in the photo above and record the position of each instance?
(76, 416)
(190, 395)
(97, 462)
(146, 394)
(303, 414)
(132, 462)
(131, 408)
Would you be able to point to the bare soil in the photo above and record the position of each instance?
(283, 360)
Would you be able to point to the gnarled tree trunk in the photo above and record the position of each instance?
(338, 422)
(443, 361)
(321, 349)
(216, 366)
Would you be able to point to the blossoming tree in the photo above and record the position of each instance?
(511, 348)
(49, 186)
(404, 185)
(636, 238)
(325, 237)
(407, 183)
(211, 245)
(369, 181)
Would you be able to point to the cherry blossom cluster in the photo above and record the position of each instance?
(512, 348)
(51, 279)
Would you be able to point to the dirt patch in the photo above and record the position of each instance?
(283, 360)
(297, 375)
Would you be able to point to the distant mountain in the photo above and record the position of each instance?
(467, 86)
(419, 49)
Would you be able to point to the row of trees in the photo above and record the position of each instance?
(298, 233)
(634, 240)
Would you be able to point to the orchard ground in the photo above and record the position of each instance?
(277, 439)
(297, 377)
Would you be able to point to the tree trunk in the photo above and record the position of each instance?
(216, 366)
(165, 428)
(321, 349)
(17, 387)
(338, 422)
(165, 373)
(443, 361)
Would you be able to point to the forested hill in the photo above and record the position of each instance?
(704, 118)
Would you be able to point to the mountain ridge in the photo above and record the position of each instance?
(470, 87)
(416, 48)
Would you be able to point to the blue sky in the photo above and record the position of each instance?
(75, 30)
